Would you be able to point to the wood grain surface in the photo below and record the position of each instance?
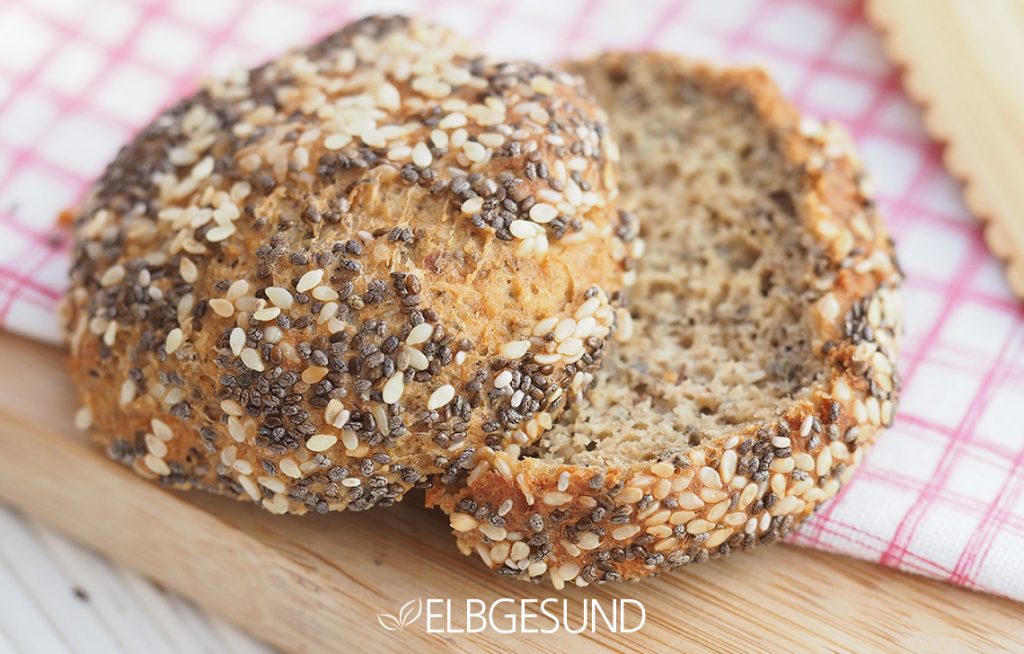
(964, 63)
(316, 583)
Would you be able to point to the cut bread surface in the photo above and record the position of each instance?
(721, 332)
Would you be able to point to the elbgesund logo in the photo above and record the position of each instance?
(509, 615)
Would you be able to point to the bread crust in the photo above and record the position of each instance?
(533, 518)
(299, 286)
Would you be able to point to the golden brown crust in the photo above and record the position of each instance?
(533, 517)
(316, 283)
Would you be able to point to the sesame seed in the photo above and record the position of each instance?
(128, 391)
(544, 326)
(472, 205)
(226, 213)
(314, 374)
(786, 505)
(439, 138)
(251, 359)
(588, 308)
(503, 379)
(373, 138)
(290, 468)
(350, 482)
(625, 532)
(237, 341)
(250, 487)
(266, 314)
(690, 501)
(784, 466)
(321, 442)
(547, 359)
(272, 484)
(349, 439)
(564, 329)
(279, 296)
(840, 451)
(83, 418)
(804, 461)
(584, 328)
(491, 140)
(231, 408)
(543, 213)
(463, 522)
(220, 233)
(155, 446)
(514, 349)
(337, 141)
(237, 289)
(175, 338)
(452, 120)
(157, 465)
(310, 280)
(663, 469)
(418, 360)
(563, 480)
(492, 531)
(112, 276)
(393, 388)
(161, 429)
(523, 229)
(441, 397)
(629, 495)
(388, 96)
(400, 153)
(542, 84)
(222, 307)
(203, 169)
(419, 334)
(556, 498)
(474, 151)
(421, 155)
(573, 194)
(235, 429)
(341, 420)
(805, 426)
(188, 270)
(328, 311)
(570, 347)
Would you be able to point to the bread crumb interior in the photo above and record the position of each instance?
(722, 334)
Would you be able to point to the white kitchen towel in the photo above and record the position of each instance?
(942, 494)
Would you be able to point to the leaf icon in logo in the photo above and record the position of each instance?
(410, 612)
(388, 621)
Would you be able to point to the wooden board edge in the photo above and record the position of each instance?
(1004, 238)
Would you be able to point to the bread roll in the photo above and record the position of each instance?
(315, 284)
(766, 322)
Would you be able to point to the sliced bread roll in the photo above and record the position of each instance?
(765, 328)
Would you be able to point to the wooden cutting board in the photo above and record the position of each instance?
(963, 62)
(316, 583)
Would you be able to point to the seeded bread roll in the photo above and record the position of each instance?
(765, 327)
(314, 284)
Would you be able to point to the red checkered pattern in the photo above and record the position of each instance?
(941, 495)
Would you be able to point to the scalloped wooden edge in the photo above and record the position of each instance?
(1003, 216)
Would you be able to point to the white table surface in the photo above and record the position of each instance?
(57, 597)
